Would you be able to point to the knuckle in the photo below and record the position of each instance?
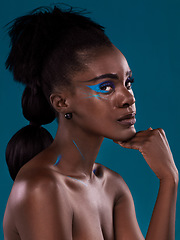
(156, 132)
(162, 131)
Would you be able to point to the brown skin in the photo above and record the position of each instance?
(48, 201)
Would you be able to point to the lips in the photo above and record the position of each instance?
(127, 116)
(127, 120)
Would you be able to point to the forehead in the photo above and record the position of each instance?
(104, 60)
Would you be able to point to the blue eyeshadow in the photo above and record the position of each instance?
(96, 88)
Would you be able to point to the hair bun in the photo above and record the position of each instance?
(35, 106)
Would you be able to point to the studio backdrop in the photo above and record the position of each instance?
(148, 34)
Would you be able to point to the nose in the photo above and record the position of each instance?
(124, 98)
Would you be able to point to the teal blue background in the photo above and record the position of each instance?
(148, 34)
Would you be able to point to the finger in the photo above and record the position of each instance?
(164, 136)
(162, 131)
(129, 144)
(143, 132)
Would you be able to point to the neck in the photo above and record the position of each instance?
(77, 149)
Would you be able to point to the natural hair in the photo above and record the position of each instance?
(45, 53)
(24, 145)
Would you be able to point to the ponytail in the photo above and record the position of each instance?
(35, 106)
(24, 145)
(45, 46)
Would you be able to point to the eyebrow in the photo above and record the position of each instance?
(108, 75)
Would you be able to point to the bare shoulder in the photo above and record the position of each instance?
(116, 182)
(33, 177)
(35, 195)
(34, 185)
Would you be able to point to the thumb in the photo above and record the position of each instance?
(118, 142)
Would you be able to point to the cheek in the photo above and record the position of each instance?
(92, 105)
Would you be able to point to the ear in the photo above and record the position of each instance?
(59, 102)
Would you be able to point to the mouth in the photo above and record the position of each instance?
(128, 119)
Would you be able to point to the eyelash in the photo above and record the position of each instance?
(111, 84)
(107, 84)
(129, 80)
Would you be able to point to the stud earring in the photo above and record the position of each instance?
(68, 115)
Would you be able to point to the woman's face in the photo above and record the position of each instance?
(98, 104)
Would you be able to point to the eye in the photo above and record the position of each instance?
(129, 82)
(107, 86)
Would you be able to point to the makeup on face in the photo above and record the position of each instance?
(89, 95)
(107, 87)
(104, 87)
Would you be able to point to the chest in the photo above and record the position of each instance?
(92, 215)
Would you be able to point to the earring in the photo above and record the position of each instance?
(68, 115)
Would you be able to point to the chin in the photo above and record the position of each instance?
(126, 134)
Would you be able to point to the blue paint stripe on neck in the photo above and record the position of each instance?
(58, 160)
(78, 149)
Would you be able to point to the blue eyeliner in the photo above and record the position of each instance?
(94, 95)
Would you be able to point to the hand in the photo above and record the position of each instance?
(153, 145)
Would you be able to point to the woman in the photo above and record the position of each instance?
(73, 72)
